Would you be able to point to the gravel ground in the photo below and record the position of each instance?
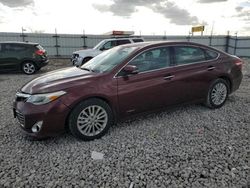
(189, 146)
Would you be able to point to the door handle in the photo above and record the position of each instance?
(169, 77)
(210, 68)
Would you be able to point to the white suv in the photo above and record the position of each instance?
(82, 56)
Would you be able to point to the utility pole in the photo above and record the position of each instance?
(56, 45)
(164, 37)
(84, 39)
(211, 35)
(235, 44)
(22, 35)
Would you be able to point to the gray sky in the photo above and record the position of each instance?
(175, 17)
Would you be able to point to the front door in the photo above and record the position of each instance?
(153, 87)
(8, 57)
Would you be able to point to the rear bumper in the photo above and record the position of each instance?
(42, 63)
(236, 82)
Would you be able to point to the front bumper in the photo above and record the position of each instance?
(53, 115)
(74, 58)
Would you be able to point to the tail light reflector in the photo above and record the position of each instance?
(239, 63)
(39, 52)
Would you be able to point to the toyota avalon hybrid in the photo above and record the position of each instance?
(123, 81)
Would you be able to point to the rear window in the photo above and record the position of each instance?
(40, 47)
(137, 40)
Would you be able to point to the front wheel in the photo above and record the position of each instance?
(217, 94)
(90, 119)
(29, 68)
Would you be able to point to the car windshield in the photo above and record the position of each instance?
(109, 59)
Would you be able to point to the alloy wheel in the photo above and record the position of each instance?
(29, 68)
(219, 93)
(92, 120)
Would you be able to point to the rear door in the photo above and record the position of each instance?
(195, 69)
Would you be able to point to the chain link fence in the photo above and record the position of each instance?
(62, 45)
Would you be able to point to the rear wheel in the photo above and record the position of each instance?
(217, 94)
(90, 119)
(29, 68)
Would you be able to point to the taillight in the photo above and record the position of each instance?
(239, 63)
(39, 52)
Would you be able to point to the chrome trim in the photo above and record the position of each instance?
(211, 68)
(169, 77)
(173, 45)
(21, 118)
(23, 95)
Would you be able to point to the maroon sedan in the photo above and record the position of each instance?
(124, 81)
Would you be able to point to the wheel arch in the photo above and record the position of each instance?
(228, 80)
(27, 60)
(66, 125)
(86, 59)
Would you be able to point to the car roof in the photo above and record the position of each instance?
(17, 42)
(162, 43)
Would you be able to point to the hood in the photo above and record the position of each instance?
(56, 80)
(88, 52)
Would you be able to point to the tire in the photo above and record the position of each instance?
(84, 124)
(86, 59)
(217, 93)
(29, 68)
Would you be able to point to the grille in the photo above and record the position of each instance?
(75, 55)
(21, 118)
(21, 99)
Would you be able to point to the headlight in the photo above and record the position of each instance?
(39, 99)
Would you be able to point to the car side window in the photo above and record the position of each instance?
(14, 48)
(108, 45)
(211, 54)
(188, 55)
(152, 59)
(0, 47)
(121, 42)
(137, 40)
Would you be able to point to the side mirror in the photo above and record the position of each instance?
(130, 69)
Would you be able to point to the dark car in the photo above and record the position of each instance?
(25, 56)
(124, 81)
